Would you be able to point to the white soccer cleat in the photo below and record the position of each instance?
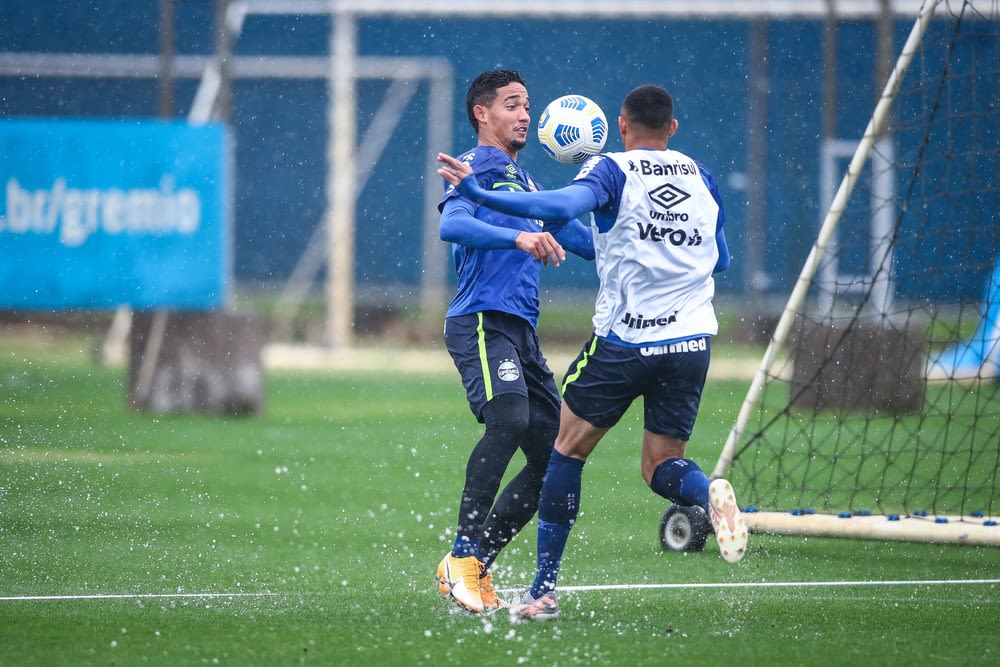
(491, 601)
(545, 608)
(459, 579)
(730, 527)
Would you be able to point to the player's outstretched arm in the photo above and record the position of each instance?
(459, 225)
(566, 203)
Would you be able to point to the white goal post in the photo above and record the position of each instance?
(798, 296)
(963, 455)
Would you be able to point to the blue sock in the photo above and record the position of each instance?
(558, 507)
(464, 547)
(681, 481)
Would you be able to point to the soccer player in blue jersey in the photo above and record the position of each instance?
(490, 333)
(658, 223)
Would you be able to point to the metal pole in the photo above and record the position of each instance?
(755, 276)
(830, 62)
(224, 54)
(435, 263)
(883, 183)
(340, 181)
(166, 76)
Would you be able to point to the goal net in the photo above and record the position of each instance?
(875, 412)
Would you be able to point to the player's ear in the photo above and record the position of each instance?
(673, 128)
(622, 126)
(479, 111)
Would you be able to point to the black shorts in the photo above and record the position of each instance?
(605, 379)
(497, 353)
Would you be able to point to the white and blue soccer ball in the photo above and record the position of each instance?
(572, 129)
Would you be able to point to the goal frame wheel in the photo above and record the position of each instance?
(684, 528)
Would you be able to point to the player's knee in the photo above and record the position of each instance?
(507, 415)
(649, 467)
(657, 450)
(538, 449)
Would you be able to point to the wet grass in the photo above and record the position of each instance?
(323, 519)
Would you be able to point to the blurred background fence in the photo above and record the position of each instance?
(760, 88)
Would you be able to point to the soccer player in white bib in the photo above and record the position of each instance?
(658, 235)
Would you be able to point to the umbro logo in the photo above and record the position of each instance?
(668, 195)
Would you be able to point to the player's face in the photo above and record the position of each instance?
(506, 122)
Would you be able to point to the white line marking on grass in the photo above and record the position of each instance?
(133, 596)
(578, 588)
(770, 584)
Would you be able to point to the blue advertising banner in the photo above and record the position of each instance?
(102, 213)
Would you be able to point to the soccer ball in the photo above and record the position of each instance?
(572, 128)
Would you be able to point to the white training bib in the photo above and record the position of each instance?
(655, 263)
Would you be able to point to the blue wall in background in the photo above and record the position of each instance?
(279, 127)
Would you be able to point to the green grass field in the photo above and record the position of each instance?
(310, 535)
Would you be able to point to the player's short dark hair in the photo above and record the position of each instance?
(649, 105)
(483, 90)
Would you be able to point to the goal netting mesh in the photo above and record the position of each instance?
(877, 403)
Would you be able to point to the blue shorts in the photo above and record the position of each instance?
(497, 353)
(606, 378)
